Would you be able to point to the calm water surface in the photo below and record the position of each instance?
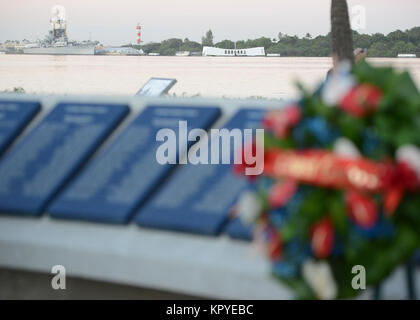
(233, 77)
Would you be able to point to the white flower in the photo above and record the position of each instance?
(339, 83)
(319, 277)
(345, 148)
(410, 154)
(248, 207)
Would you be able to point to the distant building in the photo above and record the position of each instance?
(183, 53)
(249, 52)
(407, 55)
(119, 51)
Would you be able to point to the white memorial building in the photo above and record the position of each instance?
(249, 52)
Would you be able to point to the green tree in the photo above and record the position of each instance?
(362, 41)
(240, 44)
(414, 35)
(378, 49)
(149, 47)
(378, 37)
(191, 46)
(410, 48)
(225, 44)
(170, 47)
(259, 42)
(207, 40)
(397, 36)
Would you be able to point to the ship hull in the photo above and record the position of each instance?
(71, 50)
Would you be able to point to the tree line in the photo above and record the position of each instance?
(378, 44)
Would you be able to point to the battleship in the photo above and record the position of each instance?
(56, 42)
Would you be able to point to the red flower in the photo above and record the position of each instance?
(362, 100)
(275, 246)
(322, 238)
(280, 121)
(398, 179)
(392, 199)
(281, 193)
(362, 210)
(407, 176)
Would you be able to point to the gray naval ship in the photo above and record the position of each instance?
(56, 42)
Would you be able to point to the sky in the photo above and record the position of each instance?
(113, 22)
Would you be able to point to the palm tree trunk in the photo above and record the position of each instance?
(341, 34)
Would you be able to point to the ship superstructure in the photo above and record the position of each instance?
(56, 42)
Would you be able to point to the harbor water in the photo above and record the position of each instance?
(230, 77)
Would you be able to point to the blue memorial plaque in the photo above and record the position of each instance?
(198, 198)
(14, 116)
(237, 230)
(46, 158)
(119, 179)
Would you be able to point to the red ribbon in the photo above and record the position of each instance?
(325, 169)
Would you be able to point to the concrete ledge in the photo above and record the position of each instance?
(175, 262)
(29, 285)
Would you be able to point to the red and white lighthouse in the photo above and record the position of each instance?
(138, 29)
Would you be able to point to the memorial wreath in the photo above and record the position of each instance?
(340, 186)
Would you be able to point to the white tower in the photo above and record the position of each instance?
(138, 31)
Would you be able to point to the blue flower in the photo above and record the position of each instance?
(297, 251)
(314, 132)
(285, 269)
(264, 184)
(370, 142)
(295, 202)
(338, 249)
(382, 229)
(277, 217)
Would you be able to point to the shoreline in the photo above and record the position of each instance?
(192, 56)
